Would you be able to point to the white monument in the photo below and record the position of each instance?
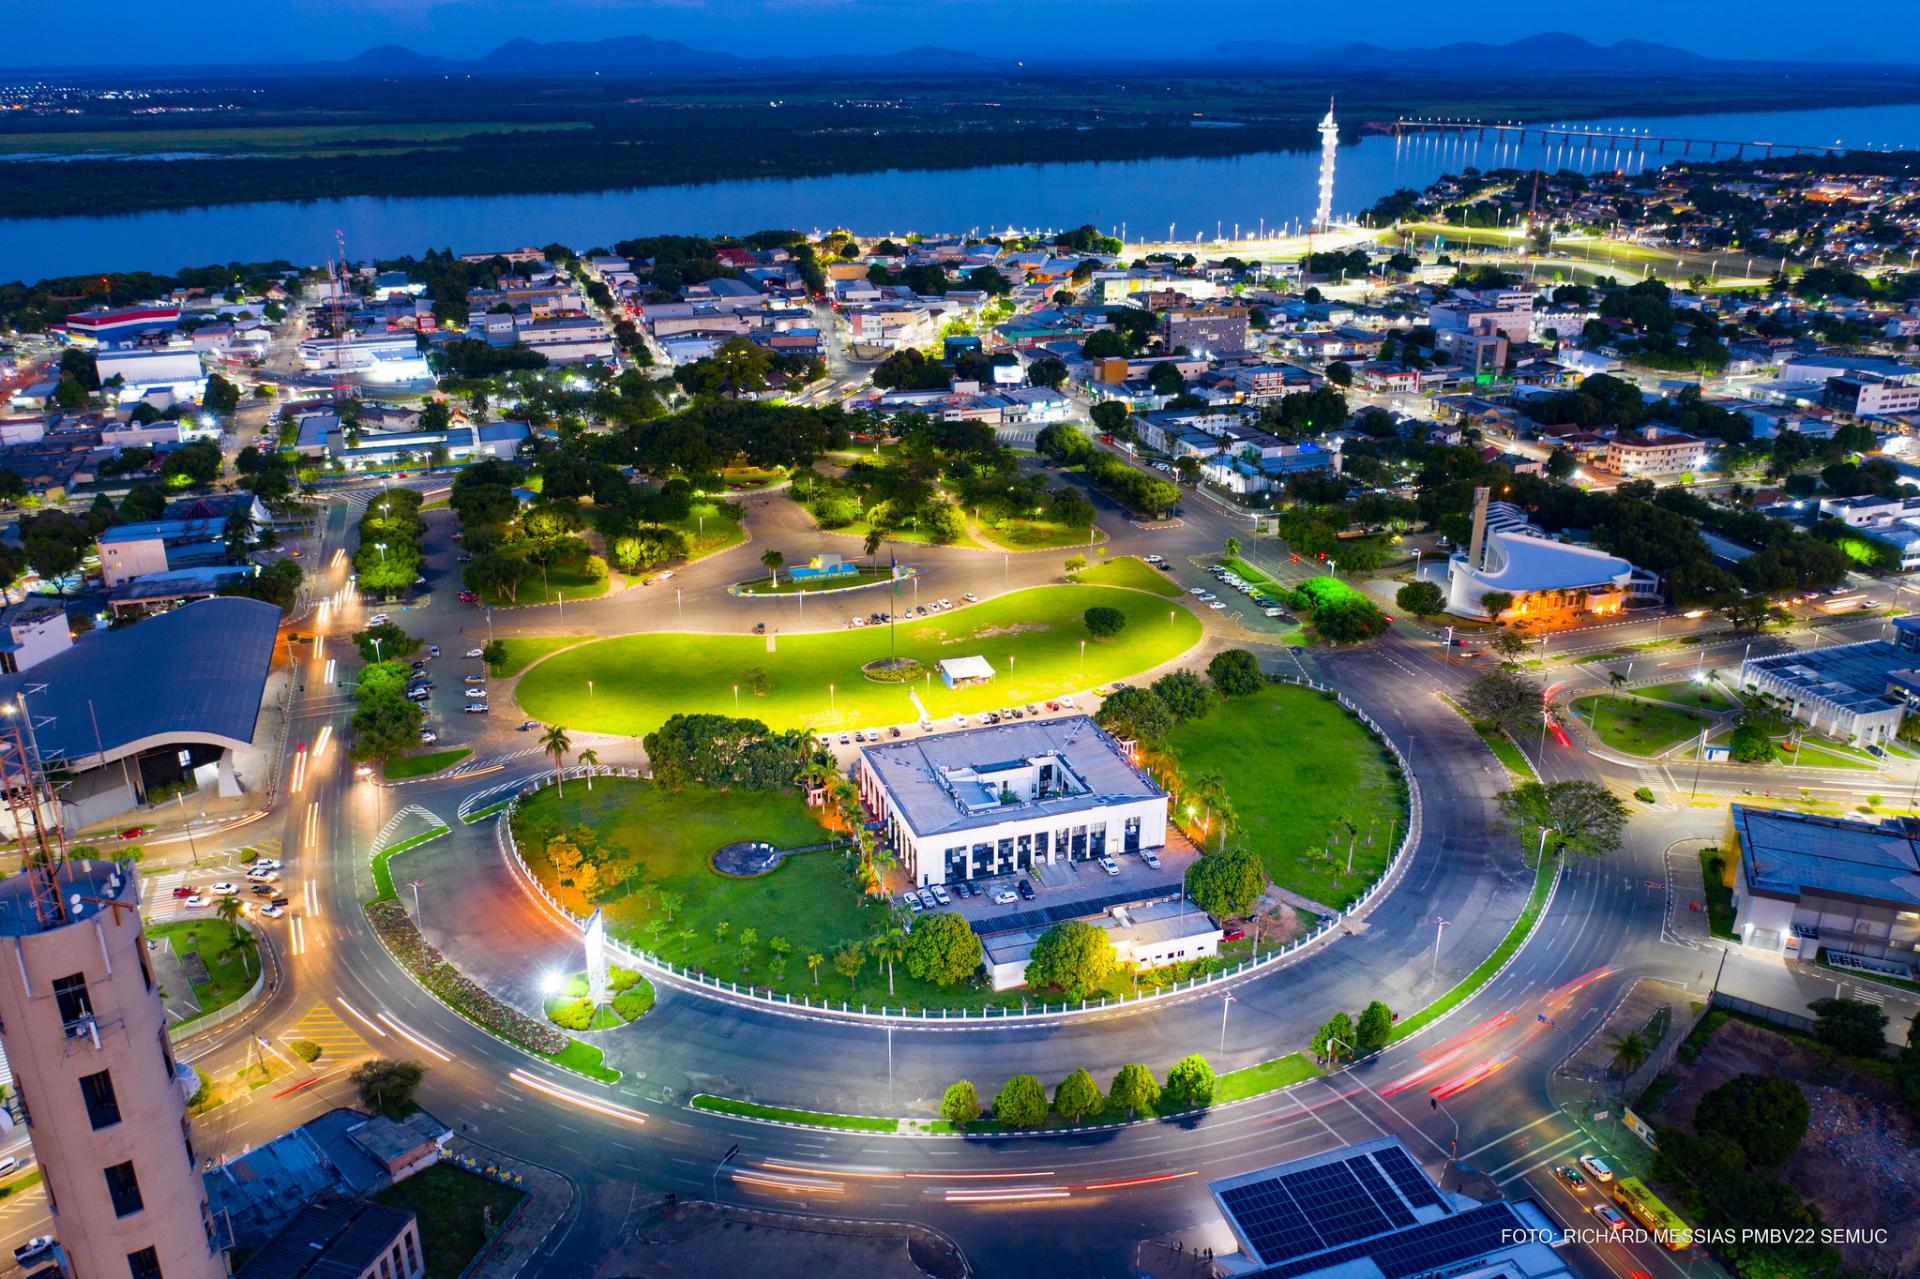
(1329, 142)
(597, 991)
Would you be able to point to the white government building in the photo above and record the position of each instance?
(991, 801)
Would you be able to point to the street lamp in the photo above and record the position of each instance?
(736, 698)
(589, 691)
(1226, 1002)
(382, 548)
(1440, 927)
(830, 708)
(1083, 657)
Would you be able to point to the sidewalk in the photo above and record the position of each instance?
(549, 1199)
(707, 1238)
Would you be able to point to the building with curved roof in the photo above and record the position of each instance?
(151, 704)
(1558, 582)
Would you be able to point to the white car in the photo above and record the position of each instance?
(197, 899)
(1156, 559)
(476, 708)
(476, 694)
(1151, 858)
(663, 574)
(271, 911)
(1221, 605)
(940, 895)
(473, 652)
(222, 889)
(969, 597)
(1109, 865)
(33, 1249)
(428, 737)
(913, 901)
(1198, 592)
(1596, 1168)
(1005, 897)
(265, 863)
(378, 619)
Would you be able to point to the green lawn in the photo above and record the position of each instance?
(1264, 1076)
(786, 1114)
(230, 976)
(1304, 776)
(524, 650)
(1504, 748)
(1033, 535)
(1636, 726)
(1033, 638)
(900, 533)
(453, 1207)
(710, 527)
(748, 478)
(1707, 696)
(421, 765)
(565, 580)
(1719, 897)
(788, 586)
(1130, 572)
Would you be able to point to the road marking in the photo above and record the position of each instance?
(370, 1023)
(1505, 1136)
(1575, 1135)
(323, 1026)
(1536, 1164)
(414, 1039)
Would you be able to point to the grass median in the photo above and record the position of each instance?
(788, 1115)
(1129, 572)
(409, 766)
(1480, 976)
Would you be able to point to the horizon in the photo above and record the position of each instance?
(462, 30)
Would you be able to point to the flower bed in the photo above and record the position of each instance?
(893, 670)
(396, 931)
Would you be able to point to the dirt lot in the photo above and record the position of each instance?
(704, 1239)
(1860, 1161)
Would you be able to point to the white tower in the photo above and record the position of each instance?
(1329, 141)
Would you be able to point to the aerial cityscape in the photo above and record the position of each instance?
(1359, 716)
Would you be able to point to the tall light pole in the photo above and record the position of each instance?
(1226, 1002)
(1440, 923)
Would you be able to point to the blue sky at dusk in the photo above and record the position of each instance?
(41, 33)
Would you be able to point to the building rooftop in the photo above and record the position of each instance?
(1518, 562)
(332, 1238)
(1369, 1211)
(76, 882)
(947, 782)
(1853, 676)
(1787, 854)
(194, 674)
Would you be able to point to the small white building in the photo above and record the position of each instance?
(958, 672)
(172, 371)
(1145, 935)
(990, 801)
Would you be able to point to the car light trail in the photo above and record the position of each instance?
(329, 675)
(1037, 1194)
(296, 937)
(1407, 1081)
(320, 742)
(1479, 1074)
(361, 1017)
(319, 644)
(972, 1176)
(1466, 1037)
(792, 1186)
(1561, 997)
(299, 768)
(312, 824)
(1137, 1181)
(312, 893)
(414, 1039)
(339, 553)
(566, 1095)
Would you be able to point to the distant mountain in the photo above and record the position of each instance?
(395, 57)
(620, 53)
(1549, 51)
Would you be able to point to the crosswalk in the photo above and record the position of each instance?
(325, 1027)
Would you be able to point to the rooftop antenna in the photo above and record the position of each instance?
(337, 277)
(31, 804)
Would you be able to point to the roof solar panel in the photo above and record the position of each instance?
(1406, 1175)
(1270, 1221)
(1419, 1249)
(1383, 1194)
(1336, 1203)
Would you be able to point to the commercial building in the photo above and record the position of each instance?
(384, 358)
(1857, 692)
(173, 372)
(94, 1077)
(1505, 311)
(1368, 1211)
(990, 801)
(1862, 395)
(172, 699)
(1204, 330)
(129, 551)
(1550, 582)
(340, 1238)
(107, 328)
(1849, 887)
(1656, 452)
(1145, 935)
(31, 632)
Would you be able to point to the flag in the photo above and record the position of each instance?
(893, 566)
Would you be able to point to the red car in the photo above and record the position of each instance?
(185, 890)
(469, 597)
(1234, 934)
(133, 832)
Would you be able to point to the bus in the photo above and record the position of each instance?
(1645, 1207)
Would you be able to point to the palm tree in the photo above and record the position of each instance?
(874, 538)
(1233, 548)
(888, 947)
(247, 946)
(587, 759)
(555, 743)
(1630, 1052)
(773, 560)
(814, 960)
(228, 910)
(1210, 792)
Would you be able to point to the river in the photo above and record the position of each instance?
(1146, 198)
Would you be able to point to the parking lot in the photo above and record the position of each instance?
(1064, 883)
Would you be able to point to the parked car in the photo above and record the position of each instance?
(476, 693)
(1234, 934)
(476, 708)
(428, 737)
(133, 832)
(894, 730)
(474, 652)
(433, 650)
(469, 597)
(1025, 890)
(473, 679)
(942, 896)
(1005, 897)
(968, 596)
(525, 725)
(1151, 858)
(913, 901)
(1109, 865)
(845, 738)
(1596, 1168)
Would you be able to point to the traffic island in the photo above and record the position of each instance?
(570, 1009)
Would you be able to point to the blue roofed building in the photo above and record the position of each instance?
(1369, 1211)
(1806, 883)
(1857, 692)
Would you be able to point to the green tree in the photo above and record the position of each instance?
(848, 961)
(1336, 1039)
(1073, 956)
(1184, 694)
(1049, 371)
(1136, 713)
(1765, 1115)
(1630, 1052)
(1103, 622)
(1077, 1096)
(1374, 1029)
(1509, 646)
(494, 654)
(1505, 699)
(1340, 373)
(228, 910)
(1164, 378)
(1422, 599)
(1190, 1083)
(1580, 816)
(1021, 1102)
(1750, 742)
(773, 560)
(1134, 1090)
(1496, 603)
(1850, 1026)
(387, 1086)
(556, 743)
(887, 948)
(1226, 884)
(943, 950)
(1109, 417)
(1235, 672)
(960, 1105)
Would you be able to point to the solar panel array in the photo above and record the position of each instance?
(1421, 1249)
(1407, 1177)
(1293, 1214)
